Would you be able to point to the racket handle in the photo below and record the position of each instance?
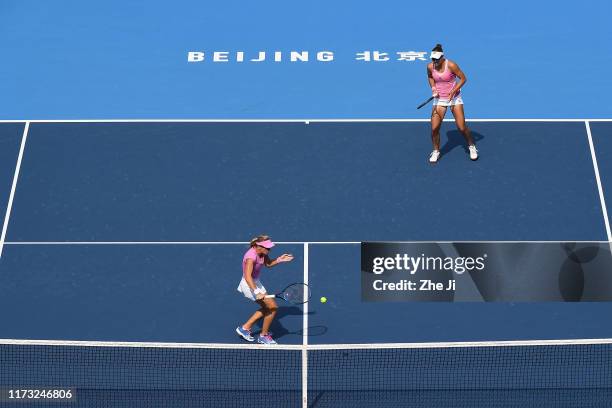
(269, 296)
(425, 103)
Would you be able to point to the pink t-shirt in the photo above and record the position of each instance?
(444, 81)
(258, 262)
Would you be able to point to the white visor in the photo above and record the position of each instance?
(436, 55)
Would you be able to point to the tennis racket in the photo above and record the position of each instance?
(425, 103)
(296, 293)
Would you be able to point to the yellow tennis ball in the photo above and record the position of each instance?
(323, 299)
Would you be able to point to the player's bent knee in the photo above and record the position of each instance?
(271, 307)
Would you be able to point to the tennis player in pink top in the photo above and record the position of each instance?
(251, 287)
(442, 75)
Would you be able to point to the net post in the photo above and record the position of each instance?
(305, 336)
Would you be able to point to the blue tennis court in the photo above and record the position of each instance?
(142, 145)
(140, 244)
(150, 235)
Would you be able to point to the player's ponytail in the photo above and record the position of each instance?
(438, 48)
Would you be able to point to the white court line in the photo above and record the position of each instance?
(485, 242)
(599, 187)
(14, 186)
(297, 347)
(169, 243)
(305, 336)
(302, 120)
(284, 243)
(78, 343)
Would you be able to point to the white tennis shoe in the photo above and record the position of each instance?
(434, 156)
(473, 152)
(265, 339)
(244, 333)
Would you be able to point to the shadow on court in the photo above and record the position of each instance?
(454, 139)
(279, 331)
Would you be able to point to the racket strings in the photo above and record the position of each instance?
(296, 293)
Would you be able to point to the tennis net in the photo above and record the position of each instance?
(568, 373)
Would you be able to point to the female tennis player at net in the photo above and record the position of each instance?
(251, 287)
(442, 74)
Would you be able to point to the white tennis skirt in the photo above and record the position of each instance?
(243, 288)
(445, 102)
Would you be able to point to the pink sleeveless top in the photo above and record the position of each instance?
(444, 81)
(258, 262)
